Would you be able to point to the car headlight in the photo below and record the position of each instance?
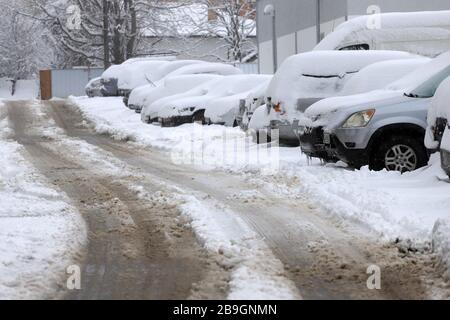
(359, 119)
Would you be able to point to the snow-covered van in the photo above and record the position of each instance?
(424, 33)
(437, 136)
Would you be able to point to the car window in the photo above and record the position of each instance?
(429, 87)
(362, 46)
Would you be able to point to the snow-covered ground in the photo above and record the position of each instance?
(394, 206)
(40, 233)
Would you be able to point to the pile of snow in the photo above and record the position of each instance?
(40, 233)
(425, 33)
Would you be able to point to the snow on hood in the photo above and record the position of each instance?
(218, 107)
(400, 27)
(321, 74)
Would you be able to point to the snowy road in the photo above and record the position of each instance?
(149, 239)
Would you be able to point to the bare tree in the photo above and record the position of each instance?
(234, 22)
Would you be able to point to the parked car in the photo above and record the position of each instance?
(438, 130)
(172, 86)
(191, 106)
(94, 88)
(309, 77)
(225, 110)
(384, 129)
(424, 33)
(119, 80)
(139, 95)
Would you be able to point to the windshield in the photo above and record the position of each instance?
(429, 87)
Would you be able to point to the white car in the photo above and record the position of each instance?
(309, 77)
(437, 136)
(138, 97)
(172, 86)
(425, 33)
(225, 110)
(191, 106)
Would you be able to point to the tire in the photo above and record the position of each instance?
(199, 117)
(399, 153)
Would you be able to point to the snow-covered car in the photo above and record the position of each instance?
(94, 88)
(172, 86)
(384, 129)
(157, 77)
(437, 136)
(191, 106)
(308, 77)
(424, 33)
(247, 106)
(138, 97)
(225, 110)
(370, 78)
(6, 88)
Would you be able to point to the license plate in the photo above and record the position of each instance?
(327, 138)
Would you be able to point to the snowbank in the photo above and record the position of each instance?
(392, 205)
(40, 233)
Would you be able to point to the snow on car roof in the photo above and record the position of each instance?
(321, 74)
(422, 25)
(377, 75)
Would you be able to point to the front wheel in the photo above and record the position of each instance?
(400, 153)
